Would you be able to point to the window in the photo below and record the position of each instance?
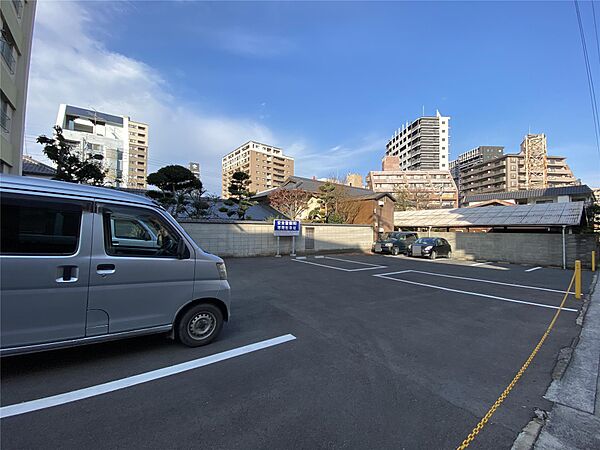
(444, 139)
(139, 232)
(5, 115)
(7, 50)
(37, 226)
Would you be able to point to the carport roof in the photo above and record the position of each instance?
(545, 214)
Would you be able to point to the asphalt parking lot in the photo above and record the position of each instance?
(384, 352)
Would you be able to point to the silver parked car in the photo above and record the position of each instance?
(82, 264)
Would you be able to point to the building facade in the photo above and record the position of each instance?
(466, 160)
(16, 20)
(423, 144)
(508, 173)
(416, 189)
(138, 155)
(266, 165)
(122, 143)
(354, 180)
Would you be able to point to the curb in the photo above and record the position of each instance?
(528, 437)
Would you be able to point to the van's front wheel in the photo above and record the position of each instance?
(199, 325)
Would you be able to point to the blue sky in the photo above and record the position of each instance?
(327, 82)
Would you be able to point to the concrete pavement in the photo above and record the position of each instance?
(574, 422)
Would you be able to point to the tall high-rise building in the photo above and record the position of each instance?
(466, 160)
(138, 155)
(423, 144)
(122, 143)
(16, 20)
(532, 168)
(267, 166)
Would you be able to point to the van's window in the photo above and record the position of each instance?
(138, 232)
(36, 226)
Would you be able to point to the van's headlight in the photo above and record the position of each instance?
(222, 271)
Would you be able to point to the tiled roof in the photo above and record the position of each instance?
(33, 167)
(533, 193)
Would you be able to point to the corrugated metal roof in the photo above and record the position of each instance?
(532, 193)
(545, 214)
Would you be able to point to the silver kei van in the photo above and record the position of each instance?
(82, 264)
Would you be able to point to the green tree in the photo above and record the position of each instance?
(180, 191)
(239, 201)
(71, 166)
(335, 205)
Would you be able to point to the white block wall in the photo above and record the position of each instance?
(246, 238)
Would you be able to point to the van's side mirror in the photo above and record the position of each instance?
(181, 249)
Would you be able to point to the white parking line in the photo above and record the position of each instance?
(478, 264)
(92, 391)
(319, 257)
(300, 257)
(351, 261)
(339, 268)
(524, 286)
(532, 269)
(477, 294)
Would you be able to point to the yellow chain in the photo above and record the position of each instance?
(471, 437)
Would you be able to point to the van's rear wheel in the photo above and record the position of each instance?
(199, 325)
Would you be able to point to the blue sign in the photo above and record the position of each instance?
(286, 227)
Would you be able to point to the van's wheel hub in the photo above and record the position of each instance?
(201, 325)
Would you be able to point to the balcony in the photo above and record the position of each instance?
(6, 50)
(5, 122)
(18, 4)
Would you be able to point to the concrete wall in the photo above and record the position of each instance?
(248, 238)
(542, 249)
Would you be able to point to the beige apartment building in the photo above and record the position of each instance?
(16, 20)
(267, 166)
(138, 155)
(521, 171)
(416, 189)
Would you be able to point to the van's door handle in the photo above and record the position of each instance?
(105, 269)
(67, 274)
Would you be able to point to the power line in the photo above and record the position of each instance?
(589, 76)
(596, 31)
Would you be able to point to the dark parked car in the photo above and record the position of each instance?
(395, 242)
(431, 247)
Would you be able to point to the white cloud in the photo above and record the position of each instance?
(77, 69)
(338, 160)
(74, 67)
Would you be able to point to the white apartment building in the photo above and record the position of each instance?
(16, 26)
(423, 144)
(267, 166)
(122, 143)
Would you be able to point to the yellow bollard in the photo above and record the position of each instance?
(593, 260)
(577, 279)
